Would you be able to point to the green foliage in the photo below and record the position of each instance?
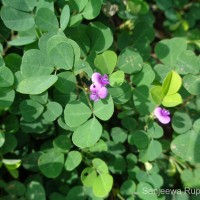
(66, 78)
(53, 111)
(121, 94)
(168, 51)
(155, 131)
(128, 187)
(191, 84)
(36, 85)
(98, 178)
(100, 36)
(74, 158)
(76, 113)
(31, 66)
(117, 78)
(181, 122)
(106, 62)
(145, 77)
(140, 139)
(15, 188)
(51, 163)
(2, 138)
(56, 142)
(144, 195)
(64, 17)
(62, 143)
(142, 101)
(6, 77)
(30, 110)
(7, 96)
(167, 94)
(92, 9)
(171, 84)
(62, 55)
(37, 189)
(130, 61)
(16, 20)
(154, 150)
(87, 134)
(104, 109)
(187, 152)
(46, 20)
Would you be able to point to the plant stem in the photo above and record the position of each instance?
(120, 197)
(86, 95)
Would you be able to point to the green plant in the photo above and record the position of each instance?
(84, 88)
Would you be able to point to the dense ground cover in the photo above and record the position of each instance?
(99, 99)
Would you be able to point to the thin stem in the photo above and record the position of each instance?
(1, 36)
(180, 163)
(87, 98)
(120, 196)
(5, 49)
(177, 164)
(38, 33)
(178, 167)
(150, 118)
(56, 70)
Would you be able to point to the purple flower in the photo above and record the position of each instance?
(95, 87)
(98, 78)
(98, 89)
(162, 115)
(98, 92)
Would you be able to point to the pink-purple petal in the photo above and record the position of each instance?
(96, 77)
(94, 97)
(105, 80)
(158, 111)
(164, 119)
(103, 92)
(162, 115)
(95, 87)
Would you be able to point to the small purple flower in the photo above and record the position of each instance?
(162, 115)
(95, 87)
(98, 89)
(98, 92)
(98, 78)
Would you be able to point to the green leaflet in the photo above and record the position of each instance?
(87, 134)
(36, 85)
(106, 62)
(168, 95)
